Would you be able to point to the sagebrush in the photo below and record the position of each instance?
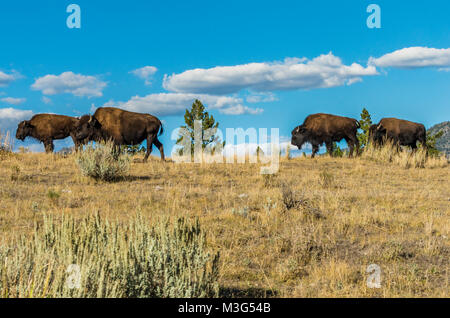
(103, 162)
(131, 259)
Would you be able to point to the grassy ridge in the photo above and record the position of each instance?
(309, 231)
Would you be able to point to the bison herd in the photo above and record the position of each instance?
(130, 128)
(108, 123)
(324, 128)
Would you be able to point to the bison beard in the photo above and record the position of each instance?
(325, 128)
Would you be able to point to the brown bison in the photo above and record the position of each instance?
(324, 128)
(401, 132)
(49, 127)
(372, 133)
(123, 128)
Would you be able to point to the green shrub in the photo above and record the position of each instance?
(114, 260)
(337, 151)
(431, 143)
(53, 196)
(103, 162)
(133, 150)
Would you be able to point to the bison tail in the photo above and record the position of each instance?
(161, 131)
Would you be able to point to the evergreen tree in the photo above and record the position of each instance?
(337, 151)
(198, 112)
(431, 143)
(365, 122)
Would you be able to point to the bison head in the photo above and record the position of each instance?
(24, 129)
(299, 136)
(86, 128)
(378, 134)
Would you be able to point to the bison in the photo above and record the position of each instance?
(401, 132)
(123, 128)
(325, 128)
(49, 127)
(372, 135)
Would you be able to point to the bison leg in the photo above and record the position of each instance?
(357, 146)
(150, 141)
(159, 145)
(330, 148)
(76, 142)
(315, 149)
(352, 142)
(49, 147)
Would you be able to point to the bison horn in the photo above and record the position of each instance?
(90, 119)
(379, 127)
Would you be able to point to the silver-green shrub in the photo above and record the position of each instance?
(115, 259)
(103, 162)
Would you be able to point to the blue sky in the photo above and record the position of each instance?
(261, 64)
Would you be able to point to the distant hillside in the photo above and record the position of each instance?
(443, 143)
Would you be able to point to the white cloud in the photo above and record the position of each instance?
(13, 101)
(6, 79)
(46, 100)
(240, 110)
(71, 83)
(10, 118)
(166, 104)
(261, 98)
(414, 57)
(145, 73)
(291, 74)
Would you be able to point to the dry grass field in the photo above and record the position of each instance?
(309, 231)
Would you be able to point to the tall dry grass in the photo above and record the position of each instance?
(389, 153)
(311, 230)
(6, 142)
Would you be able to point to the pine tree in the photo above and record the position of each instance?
(431, 143)
(337, 151)
(365, 122)
(198, 112)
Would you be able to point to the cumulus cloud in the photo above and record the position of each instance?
(291, 74)
(10, 118)
(6, 79)
(13, 101)
(146, 73)
(261, 98)
(414, 57)
(46, 100)
(167, 104)
(240, 110)
(70, 83)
